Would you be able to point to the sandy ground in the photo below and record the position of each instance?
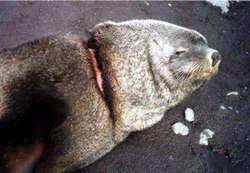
(158, 149)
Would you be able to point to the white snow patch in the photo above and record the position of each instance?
(232, 93)
(180, 128)
(205, 135)
(189, 115)
(223, 4)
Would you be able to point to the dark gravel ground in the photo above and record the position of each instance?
(158, 149)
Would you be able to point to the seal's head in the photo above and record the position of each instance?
(173, 57)
(182, 56)
(149, 66)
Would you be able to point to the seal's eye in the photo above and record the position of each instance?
(179, 52)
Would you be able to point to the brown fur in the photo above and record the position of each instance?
(50, 85)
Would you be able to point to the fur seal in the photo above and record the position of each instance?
(57, 109)
(149, 66)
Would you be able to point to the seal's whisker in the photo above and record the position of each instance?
(180, 75)
(196, 69)
(193, 69)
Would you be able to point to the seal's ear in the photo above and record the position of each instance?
(159, 51)
(33, 107)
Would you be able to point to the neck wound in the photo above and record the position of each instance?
(97, 70)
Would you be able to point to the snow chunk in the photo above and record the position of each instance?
(205, 135)
(189, 115)
(233, 93)
(180, 128)
(223, 4)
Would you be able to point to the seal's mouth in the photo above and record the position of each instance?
(207, 73)
(199, 71)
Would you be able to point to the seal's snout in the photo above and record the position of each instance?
(216, 57)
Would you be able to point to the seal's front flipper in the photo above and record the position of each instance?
(24, 157)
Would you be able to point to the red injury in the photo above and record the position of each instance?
(99, 79)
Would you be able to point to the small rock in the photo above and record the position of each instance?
(171, 157)
(244, 90)
(222, 107)
(205, 135)
(147, 3)
(189, 115)
(180, 128)
(233, 93)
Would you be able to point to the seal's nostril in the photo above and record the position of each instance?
(215, 58)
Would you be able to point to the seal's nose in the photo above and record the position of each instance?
(215, 58)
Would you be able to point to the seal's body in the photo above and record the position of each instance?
(49, 86)
(50, 103)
